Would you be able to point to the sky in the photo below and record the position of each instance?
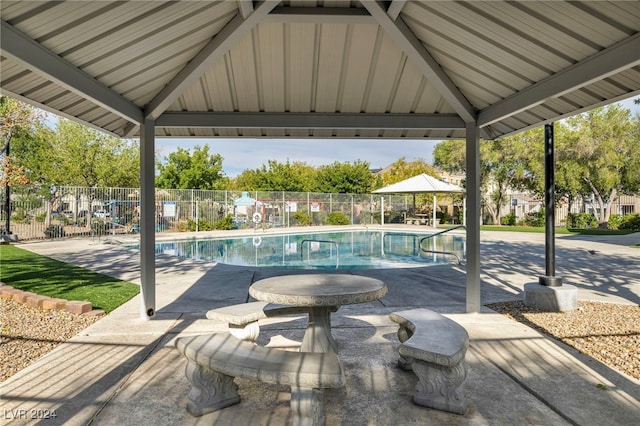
(240, 154)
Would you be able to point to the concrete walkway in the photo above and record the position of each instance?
(126, 371)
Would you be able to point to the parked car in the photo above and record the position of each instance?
(101, 214)
(68, 213)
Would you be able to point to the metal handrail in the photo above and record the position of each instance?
(440, 233)
(438, 251)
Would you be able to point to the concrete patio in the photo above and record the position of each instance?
(123, 370)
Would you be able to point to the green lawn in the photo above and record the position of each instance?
(558, 230)
(520, 229)
(28, 271)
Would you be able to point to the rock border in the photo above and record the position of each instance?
(34, 300)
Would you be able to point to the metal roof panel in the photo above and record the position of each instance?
(330, 58)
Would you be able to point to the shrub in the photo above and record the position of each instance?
(183, 226)
(631, 221)
(535, 219)
(615, 220)
(302, 219)
(203, 225)
(391, 217)
(226, 223)
(444, 217)
(337, 218)
(581, 220)
(318, 218)
(20, 216)
(508, 220)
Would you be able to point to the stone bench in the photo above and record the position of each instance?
(434, 347)
(243, 318)
(416, 221)
(215, 359)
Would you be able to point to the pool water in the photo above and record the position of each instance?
(328, 250)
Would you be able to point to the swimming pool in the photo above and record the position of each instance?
(323, 250)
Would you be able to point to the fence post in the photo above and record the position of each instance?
(284, 211)
(352, 210)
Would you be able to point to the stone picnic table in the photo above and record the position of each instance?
(322, 293)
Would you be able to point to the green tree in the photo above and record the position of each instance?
(33, 151)
(245, 181)
(597, 153)
(450, 156)
(275, 176)
(184, 170)
(568, 173)
(401, 170)
(509, 163)
(602, 147)
(345, 178)
(20, 125)
(25, 149)
(631, 176)
(83, 156)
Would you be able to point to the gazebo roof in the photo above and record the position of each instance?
(344, 69)
(422, 183)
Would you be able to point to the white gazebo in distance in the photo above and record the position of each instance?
(422, 183)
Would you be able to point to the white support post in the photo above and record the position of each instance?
(464, 210)
(433, 213)
(147, 221)
(473, 217)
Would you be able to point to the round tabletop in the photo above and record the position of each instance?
(318, 289)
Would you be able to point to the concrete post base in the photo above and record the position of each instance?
(552, 299)
(8, 238)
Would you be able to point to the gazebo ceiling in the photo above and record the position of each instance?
(346, 69)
